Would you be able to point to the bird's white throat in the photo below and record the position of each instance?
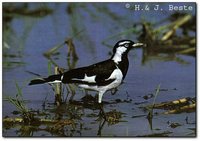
(118, 54)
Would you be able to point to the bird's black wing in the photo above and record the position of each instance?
(101, 71)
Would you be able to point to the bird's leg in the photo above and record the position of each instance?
(101, 111)
(100, 96)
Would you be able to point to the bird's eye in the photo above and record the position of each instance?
(126, 45)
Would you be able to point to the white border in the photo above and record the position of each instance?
(102, 1)
(98, 1)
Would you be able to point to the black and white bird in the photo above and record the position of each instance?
(102, 76)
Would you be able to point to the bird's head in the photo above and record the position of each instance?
(124, 46)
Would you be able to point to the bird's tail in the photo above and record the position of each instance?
(50, 79)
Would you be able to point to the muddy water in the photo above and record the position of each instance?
(175, 73)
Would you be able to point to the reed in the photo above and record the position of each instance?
(19, 103)
(150, 114)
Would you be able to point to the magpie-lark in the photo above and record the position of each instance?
(101, 76)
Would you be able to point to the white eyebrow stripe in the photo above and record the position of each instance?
(124, 42)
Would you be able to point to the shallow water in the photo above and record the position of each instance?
(96, 23)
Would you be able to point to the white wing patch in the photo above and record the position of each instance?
(90, 79)
(56, 81)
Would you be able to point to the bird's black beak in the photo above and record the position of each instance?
(138, 45)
